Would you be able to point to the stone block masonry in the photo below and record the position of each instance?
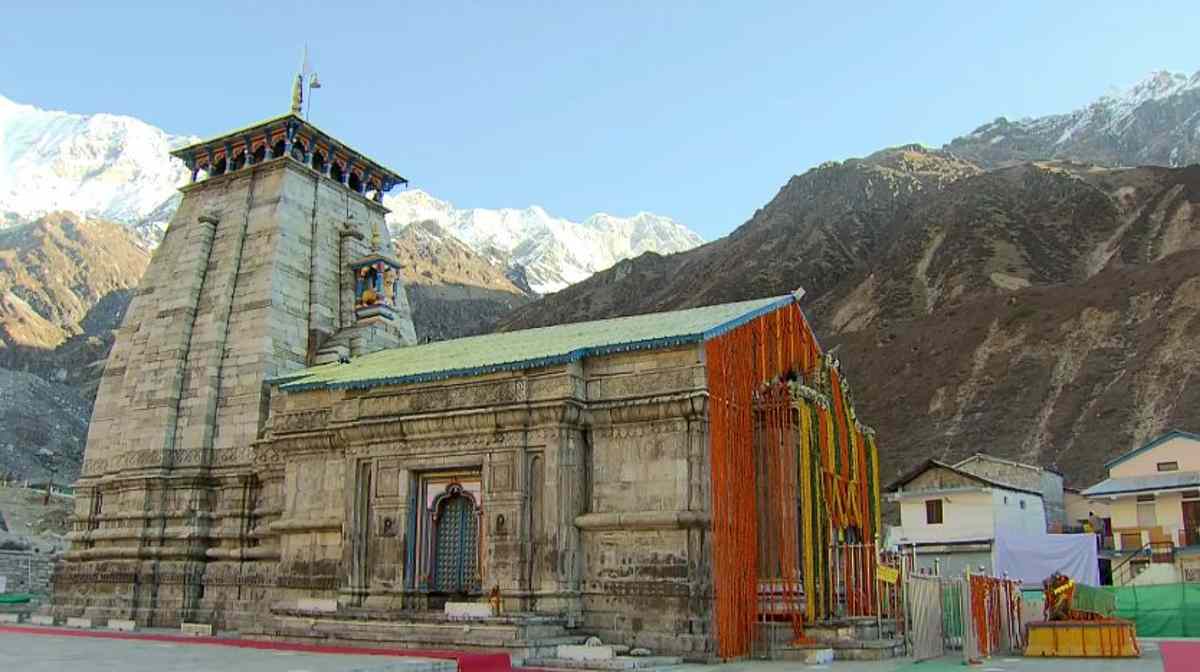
(250, 280)
(26, 571)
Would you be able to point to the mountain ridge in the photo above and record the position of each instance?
(118, 168)
(1154, 122)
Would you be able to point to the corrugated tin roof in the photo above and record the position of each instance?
(532, 348)
(1172, 480)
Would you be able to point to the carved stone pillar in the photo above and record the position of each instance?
(356, 534)
(565, 490)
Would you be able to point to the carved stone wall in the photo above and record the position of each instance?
(594, 490)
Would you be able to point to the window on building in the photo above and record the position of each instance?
(1168, 466)
(933, 511)
(1006, 499)
(1146, 515)
(1022, 504)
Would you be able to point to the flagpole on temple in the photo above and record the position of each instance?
(308, 78)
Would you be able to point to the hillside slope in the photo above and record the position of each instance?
(1039, 311)
(818, 229)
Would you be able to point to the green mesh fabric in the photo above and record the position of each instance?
(1169, 610)
(952, 621)
(1094, 600)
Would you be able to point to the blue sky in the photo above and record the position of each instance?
(699, 111)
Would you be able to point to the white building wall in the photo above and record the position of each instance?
(1009, 514)
(969, 515)
(1182, 450)
(966, 515)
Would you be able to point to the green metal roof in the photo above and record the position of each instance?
(531, 348)
(1173, 434)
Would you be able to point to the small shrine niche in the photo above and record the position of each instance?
(377, 284)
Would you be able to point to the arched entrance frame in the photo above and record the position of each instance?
(455, 546)
(434, 491)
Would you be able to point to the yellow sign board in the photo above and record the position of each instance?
(887, 574)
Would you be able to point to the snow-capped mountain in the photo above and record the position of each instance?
(1156, 121)
(554, 251)
(118, 168)
(97, 165)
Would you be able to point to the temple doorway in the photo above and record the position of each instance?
(448, 537)
(456, 543)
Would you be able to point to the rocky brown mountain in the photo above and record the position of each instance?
(818, 229)
(1039, 311)
(65, 282)
(453, 291)
(55, 269)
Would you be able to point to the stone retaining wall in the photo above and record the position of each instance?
(26, 571)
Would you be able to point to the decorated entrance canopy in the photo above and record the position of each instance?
(289, 136)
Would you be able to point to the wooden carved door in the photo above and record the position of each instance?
(456, 544)
(1191, 523)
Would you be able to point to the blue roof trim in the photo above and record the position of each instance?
(285, 377)
(1173, 434)
(295, 383)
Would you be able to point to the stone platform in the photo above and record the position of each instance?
(522, 636)
(862, 639)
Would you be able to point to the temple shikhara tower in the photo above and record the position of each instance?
(271, 452)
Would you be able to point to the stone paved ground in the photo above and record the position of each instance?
(1150, 661)
(46, 653)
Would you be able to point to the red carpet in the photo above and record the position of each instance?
(1180, 656)
(467, 661)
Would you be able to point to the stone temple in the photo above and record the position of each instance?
(272, 453)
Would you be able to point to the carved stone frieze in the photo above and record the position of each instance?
(300, 421)
(649, 409)
(446, 397)
(659, 382)
(306, 443)
(637, 429)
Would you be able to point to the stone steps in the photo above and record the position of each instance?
(520, 637)
(864, 639)
(615, 663)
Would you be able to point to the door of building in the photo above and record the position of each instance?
(456, 544)
(1191, 523)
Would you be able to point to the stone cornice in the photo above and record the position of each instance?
(643, 520)
(326, 524)
(488, 422)
(688, 405)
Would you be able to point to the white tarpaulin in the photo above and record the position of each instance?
(1031, 558)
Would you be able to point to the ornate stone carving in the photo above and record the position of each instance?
(302, 421)
(637, 429)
